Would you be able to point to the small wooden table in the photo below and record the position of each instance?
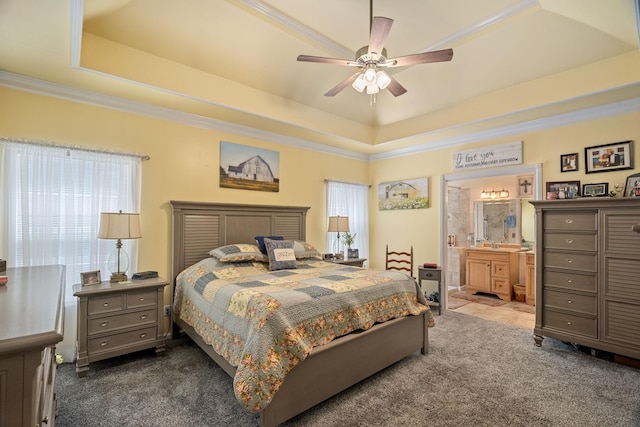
(434, 274)
(356, 262)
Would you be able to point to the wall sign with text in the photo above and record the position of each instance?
(489, 157)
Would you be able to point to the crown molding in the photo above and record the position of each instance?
(586, 114)
(56, 90)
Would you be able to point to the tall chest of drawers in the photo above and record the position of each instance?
(116, 319)
(587, 286)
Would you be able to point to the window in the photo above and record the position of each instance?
(53, 197)
(350, 200)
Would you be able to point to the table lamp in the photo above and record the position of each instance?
(338, 224)
(118, 225)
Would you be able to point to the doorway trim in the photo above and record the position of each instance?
(535, 169)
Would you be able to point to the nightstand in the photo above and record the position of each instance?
(119, 318)
(434, 274)
(356, 262)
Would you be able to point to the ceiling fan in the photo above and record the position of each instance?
(371, 61)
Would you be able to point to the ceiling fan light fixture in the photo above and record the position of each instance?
(382, 80)
(372, 89)
(359, 84)
(370, 75)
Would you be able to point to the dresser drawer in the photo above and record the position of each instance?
(141, 299)
(111, 323)
(569, 280)
(574, 261)
(586, 304)
(108, 304)
(571, 323)
(571, 221)
(110, 342)
(583, 242)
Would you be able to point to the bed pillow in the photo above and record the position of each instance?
(260, 242)
(237, 253)
(304, 250)
(281, 254)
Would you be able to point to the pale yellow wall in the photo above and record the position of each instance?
(421, 227)
(184, 164)
(185, 160)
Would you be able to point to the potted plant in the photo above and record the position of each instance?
(349, 240)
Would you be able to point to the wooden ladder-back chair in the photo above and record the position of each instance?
(401, 261)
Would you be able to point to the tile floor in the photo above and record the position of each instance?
(504, 314)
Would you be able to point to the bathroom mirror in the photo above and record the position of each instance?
(497, 221)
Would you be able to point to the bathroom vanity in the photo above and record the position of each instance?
(493, 270)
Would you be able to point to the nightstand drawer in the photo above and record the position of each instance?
(110, 323)
(141, 299)
(570, 323)
(105, 304)
(426, 274)
(110, 342)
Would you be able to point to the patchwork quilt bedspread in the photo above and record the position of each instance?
(266, 322)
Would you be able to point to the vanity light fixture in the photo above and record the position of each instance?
(493, 194)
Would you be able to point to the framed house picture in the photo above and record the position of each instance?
(563, 190)
(609, 157)
(569, 162)
(243, 167)
(595, 190)
(406, 194)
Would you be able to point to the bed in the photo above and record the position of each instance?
(325, 370)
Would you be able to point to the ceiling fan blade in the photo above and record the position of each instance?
(396, 88)
(346, 82)
(323, 60)
(380, 27)
(420, 58)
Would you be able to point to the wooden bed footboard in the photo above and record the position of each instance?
(336, 366)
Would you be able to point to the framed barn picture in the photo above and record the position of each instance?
(243, 167)
(400, 195)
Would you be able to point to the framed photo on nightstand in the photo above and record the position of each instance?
(90, 278)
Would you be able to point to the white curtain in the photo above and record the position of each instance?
(350, 200)
(53, 197)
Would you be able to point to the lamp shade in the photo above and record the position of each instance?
(338, 224)
(118, 225)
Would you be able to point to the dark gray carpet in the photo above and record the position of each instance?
(478, 373)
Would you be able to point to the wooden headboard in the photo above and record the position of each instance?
(199, 227)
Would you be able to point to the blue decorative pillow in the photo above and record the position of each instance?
(281, 254)
(304, 250)
(237, 253)
(260, 242)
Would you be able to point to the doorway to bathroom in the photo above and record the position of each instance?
(471, 205)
